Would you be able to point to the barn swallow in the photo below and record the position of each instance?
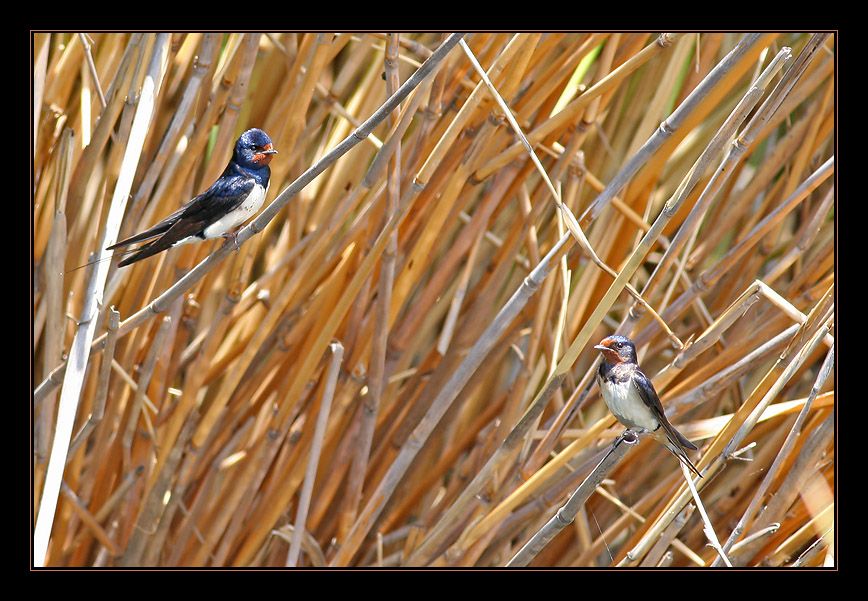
(236, 195)
(631, 397)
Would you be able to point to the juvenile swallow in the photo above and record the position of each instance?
(631, 397)
(236, 196)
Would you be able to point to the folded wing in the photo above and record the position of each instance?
(225, 195)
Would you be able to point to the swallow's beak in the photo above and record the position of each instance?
(268, 149)
(600, 347)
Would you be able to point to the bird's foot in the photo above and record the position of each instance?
(630, 436)
(233, 236)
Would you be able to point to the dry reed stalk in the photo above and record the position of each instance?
(377, 364)
(582, 338)
(718, 452)
(465, 410)
(337, 351)
(785, 449)
(69, 401)
(567, 513)
(53, 274)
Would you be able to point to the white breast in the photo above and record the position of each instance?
(625, 403)
(245, 211)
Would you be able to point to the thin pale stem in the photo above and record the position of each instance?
(337, 351)
(566, 514)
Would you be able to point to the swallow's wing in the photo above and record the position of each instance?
(153, 231)
(224, 196)
(181, 229)
(675, 441)
(652, 401)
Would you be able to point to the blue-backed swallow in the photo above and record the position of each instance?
(236, 196)
(631, 397)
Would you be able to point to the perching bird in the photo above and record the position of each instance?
(631, 397)
(236, 196)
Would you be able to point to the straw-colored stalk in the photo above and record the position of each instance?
(468, 222)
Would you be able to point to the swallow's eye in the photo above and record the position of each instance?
(619, 344)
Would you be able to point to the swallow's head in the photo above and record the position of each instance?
(253, 149)
(617, 349)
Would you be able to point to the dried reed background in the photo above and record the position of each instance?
(455, 410)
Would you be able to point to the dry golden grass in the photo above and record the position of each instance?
(463, 283)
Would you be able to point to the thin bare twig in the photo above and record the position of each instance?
(442, 401)
(164, 300)
(370, 405)
(105, 367)
(337, 351)
(92, 68)
(708, 528)
(566, 514)
(80, 351)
